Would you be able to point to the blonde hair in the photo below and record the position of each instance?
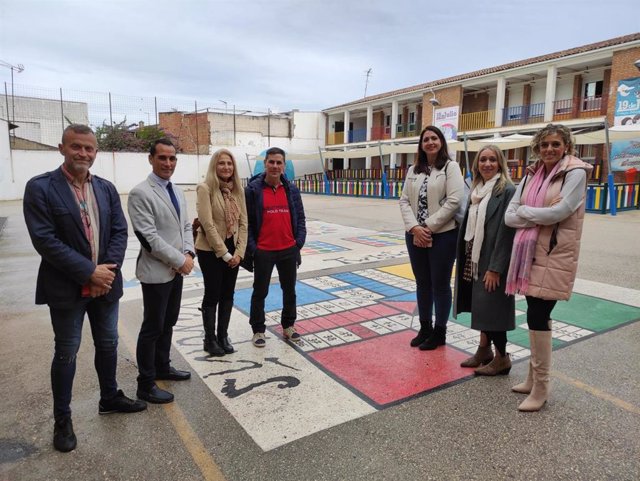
(504, 179)
(212, 180)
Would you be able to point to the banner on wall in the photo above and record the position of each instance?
(626, 154)
(446, 119)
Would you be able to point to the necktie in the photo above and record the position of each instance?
(174, 200)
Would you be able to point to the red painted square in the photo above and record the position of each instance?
(324, 323)
(353, 317)
(382, 311)
(338, 319)
(308, 326)
(361, 331)
(385, 369)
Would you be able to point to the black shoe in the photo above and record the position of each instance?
(120, 404)
(64, 439)
(438, 338)
(215, 349)
(155, 395)
(173, 375)
(225, 343)
(423, 335)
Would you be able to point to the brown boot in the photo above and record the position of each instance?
(540, 365)
(483, 355)
(500, 365)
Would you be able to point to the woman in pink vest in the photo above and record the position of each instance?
(547, 210)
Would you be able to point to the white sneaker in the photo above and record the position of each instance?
(259, 339)
(291, 334)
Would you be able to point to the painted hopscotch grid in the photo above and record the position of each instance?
(341, 315)
(378, 240)
(319, 247)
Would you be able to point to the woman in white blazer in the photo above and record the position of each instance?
(220, 246)
(431, 196)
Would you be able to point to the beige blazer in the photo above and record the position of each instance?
(445, 189)
(211, 234)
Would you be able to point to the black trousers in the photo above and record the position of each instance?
(161, 309)
(286, 262)
(219, 285)
(539, 313)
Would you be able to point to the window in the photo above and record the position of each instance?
(592, 95)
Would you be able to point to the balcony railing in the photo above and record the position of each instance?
(477, 120)
(357, 135)
(408, 130)
(579, 108)
(335, 138)
(523, 114)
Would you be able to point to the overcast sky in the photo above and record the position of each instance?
(285, 54)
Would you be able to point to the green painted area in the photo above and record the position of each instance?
(593, 313)
(590, 312)
(464, 319)
(582, 311)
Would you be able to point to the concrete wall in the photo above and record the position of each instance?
(40, 120)
(124, 169)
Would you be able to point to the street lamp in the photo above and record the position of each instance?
(225, 106)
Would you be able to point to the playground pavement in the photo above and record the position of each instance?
(351, 401)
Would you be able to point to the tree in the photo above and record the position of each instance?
(121, 137)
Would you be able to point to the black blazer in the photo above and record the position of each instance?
(57, 233)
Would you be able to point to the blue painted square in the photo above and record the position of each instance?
(305, 294)
(370, 284)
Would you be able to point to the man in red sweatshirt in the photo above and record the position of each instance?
(277, 232)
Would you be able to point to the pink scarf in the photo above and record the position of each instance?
(524, 243)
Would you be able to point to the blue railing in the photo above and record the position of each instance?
(523, 114)
(357, 135)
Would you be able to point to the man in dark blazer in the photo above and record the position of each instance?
(76, 224)
(158, 213)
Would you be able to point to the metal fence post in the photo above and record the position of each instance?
(155, 106)
(6, 100)
(197, 137)
(110, 111)
(61, 110)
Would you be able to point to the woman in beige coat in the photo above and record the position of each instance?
(431, 196)
(220, 246)
(547, 210)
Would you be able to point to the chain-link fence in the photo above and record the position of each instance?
(38, 115)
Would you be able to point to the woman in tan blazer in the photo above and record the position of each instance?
(220, 246)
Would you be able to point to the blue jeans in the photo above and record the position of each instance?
(67, 329)
(432, 268)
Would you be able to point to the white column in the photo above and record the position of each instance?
(501, 88)
(345, 162)
(369, 126)
(367, 162)
(392, 160)
(550, 94)
(347, 119)
(394, 118)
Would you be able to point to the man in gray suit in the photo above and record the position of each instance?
(158, 213)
